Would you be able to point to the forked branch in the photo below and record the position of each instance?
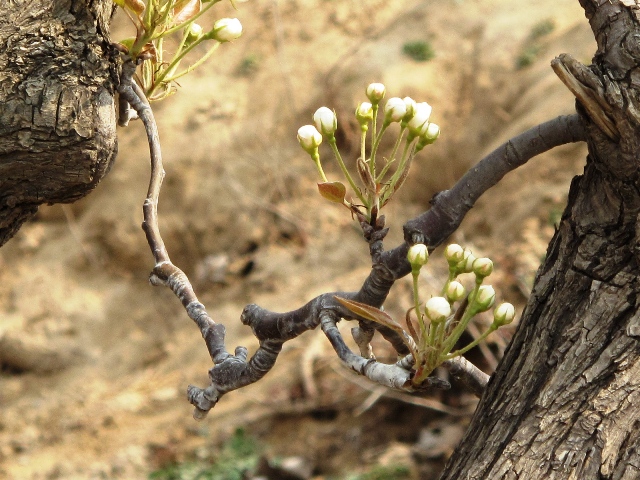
(272, 329)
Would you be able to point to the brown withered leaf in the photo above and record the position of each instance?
(333, 191)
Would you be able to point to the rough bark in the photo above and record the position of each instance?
(565, 400)
(57, 114)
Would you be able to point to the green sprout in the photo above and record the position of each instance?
(378, 181)
(157, 20)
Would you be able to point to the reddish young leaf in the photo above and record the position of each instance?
(136, 6)
(376, 315)
(333, 191)
(185, 10)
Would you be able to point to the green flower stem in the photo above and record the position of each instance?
(390, 188)
(376, 143)
(392, 157)
(415, 273)
(195, 65)
(374, 134)
(363, 143)
(175, 28)
(464, 350)
(148, 15)
(316, 160)
(343, 167)
(470, 312)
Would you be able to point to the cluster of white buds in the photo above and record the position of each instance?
(378, 185)
(439, 330)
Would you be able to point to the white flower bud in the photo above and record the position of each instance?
(423, 112)
(309, 138)
(482, 267)
(466, 265)
(227, 29)
(326, 121)
(455, 291)
(375, 92)
(364, 113)
(394, 110)
(504, 314)
(418, 255)
(437, 309)
(454, 253)
(431, 134)
(485, 298)
(194, 33)
(410, 103)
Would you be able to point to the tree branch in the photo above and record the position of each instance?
(231, 372)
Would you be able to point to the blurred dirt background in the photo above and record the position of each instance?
(95, 362)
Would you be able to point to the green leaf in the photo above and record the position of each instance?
(333, 191)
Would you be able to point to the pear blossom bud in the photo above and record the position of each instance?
(454, 253)
(375, 92)
(394, 110)
(485, 297)
(418, 255)
(423, 112)
(326, 121)
(226, 29)
(503, 314)
(466, 265)
(455, 291)
(428, 134)
(364, 114)
(309, 138)
(431, 134)
(437, 309)
(482, 267)
(194, 33)
(410, 103)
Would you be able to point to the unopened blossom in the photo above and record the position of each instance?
(375, 92)
(418, 255)
(326, 121)
(437, 309)
(309, 138)
(394, 110)
(227, 29)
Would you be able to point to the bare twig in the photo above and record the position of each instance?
(470, 375)
(389, 375)
(272, 329)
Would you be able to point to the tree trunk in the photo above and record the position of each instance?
(57, 114)
(565, 400)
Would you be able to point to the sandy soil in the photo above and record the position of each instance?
(95, 362)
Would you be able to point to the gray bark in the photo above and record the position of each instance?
(565, 400)
(57, 114)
